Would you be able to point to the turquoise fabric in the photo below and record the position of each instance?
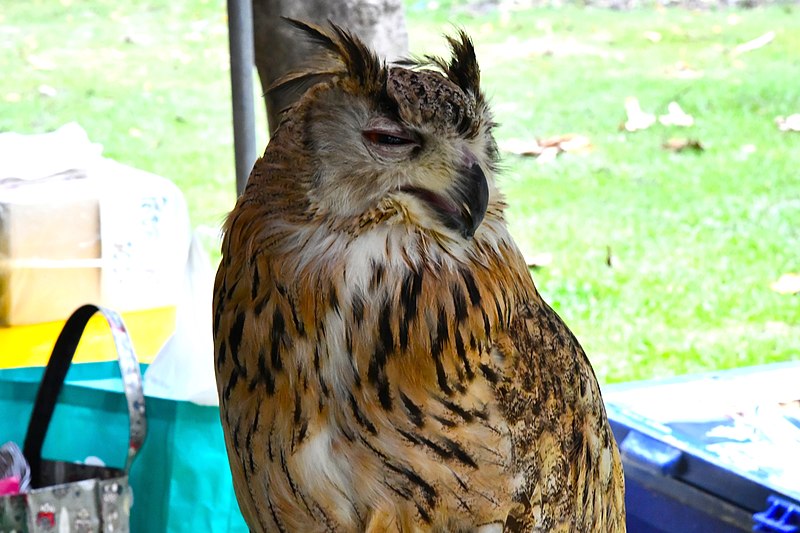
(181, 480)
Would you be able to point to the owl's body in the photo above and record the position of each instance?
(384, 361)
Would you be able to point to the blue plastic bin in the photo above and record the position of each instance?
(711, 453)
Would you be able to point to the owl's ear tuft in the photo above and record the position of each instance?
(463, 68)
(362, 63)
(316, 34)
(346, 56)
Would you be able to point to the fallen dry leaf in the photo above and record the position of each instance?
(790, 123)
(38, 62)
(745, 151)
(682, 145)
(548, 148)
(676, 116)
(521, 147)
(549, 153)
(683, 71)
(539, 260)
(611, 261)
(637, 119)
(787, 284)
(568, 142)
(755, 44)
(748, 149)
(652, 36)
(47, 90)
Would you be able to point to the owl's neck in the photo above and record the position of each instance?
(388, 235)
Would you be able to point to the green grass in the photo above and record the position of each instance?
(696, 238)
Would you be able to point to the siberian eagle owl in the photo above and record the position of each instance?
(384, 361)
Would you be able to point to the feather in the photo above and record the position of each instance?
(346, 55)
(463, 68)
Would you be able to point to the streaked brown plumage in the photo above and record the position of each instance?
(384, 361)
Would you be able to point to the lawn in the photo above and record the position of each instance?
(694, 239)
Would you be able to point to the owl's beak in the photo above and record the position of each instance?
(462, 205)
(471, 194)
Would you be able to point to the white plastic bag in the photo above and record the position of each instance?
(184, 368)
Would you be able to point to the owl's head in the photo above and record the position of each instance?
(417, 134)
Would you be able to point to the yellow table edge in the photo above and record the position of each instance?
(22, 346)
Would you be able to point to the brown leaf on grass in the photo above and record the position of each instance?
(567, 142)
(790, 123)
(652, 36)
(683, 71)
(610, 259)
(679, 144)
(539, 260)
(759, 42)
(548, 148)
(636, 118)
(38, 62)
(521, 147)
(47, 90)
(676, 116)
(748, 149)
(549, 153)
(787, 284)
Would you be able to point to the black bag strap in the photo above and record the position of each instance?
(56, 372)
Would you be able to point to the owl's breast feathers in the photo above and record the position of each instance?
(371, 381)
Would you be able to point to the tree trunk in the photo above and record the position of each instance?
(279, 48)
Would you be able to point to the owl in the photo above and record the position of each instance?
(384, 361)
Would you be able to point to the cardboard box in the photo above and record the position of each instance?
(50, 249)
(111, 235)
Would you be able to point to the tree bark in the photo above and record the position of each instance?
(279, 48)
